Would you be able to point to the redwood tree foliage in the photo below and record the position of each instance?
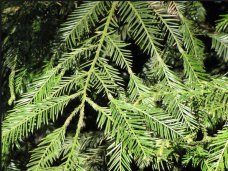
(114, 85)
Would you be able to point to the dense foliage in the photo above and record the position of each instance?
(113, 86)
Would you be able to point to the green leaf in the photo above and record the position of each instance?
(218, 157)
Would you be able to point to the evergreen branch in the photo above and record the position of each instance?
(176, 103)
(122, 58)
(136, 87)
(159, 121)
(111, 73)
(11, 62)
(40, 88)
(193, 45)
(139, 17)
(193, 70)
(104, 116)
(69, 164)
(94, 150)
(11, 85)
(136, 14)
(142, 118)
(47, 151)
(182, 112)
(215, 100)
(80, 20)
(137, 139)
(218, 157)
(220, 44)
(16, 125)
(50, 147)
(119, 158)
(72, 163)
(101, 82)
(222, 24)
(66, 84)
(19, 80)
